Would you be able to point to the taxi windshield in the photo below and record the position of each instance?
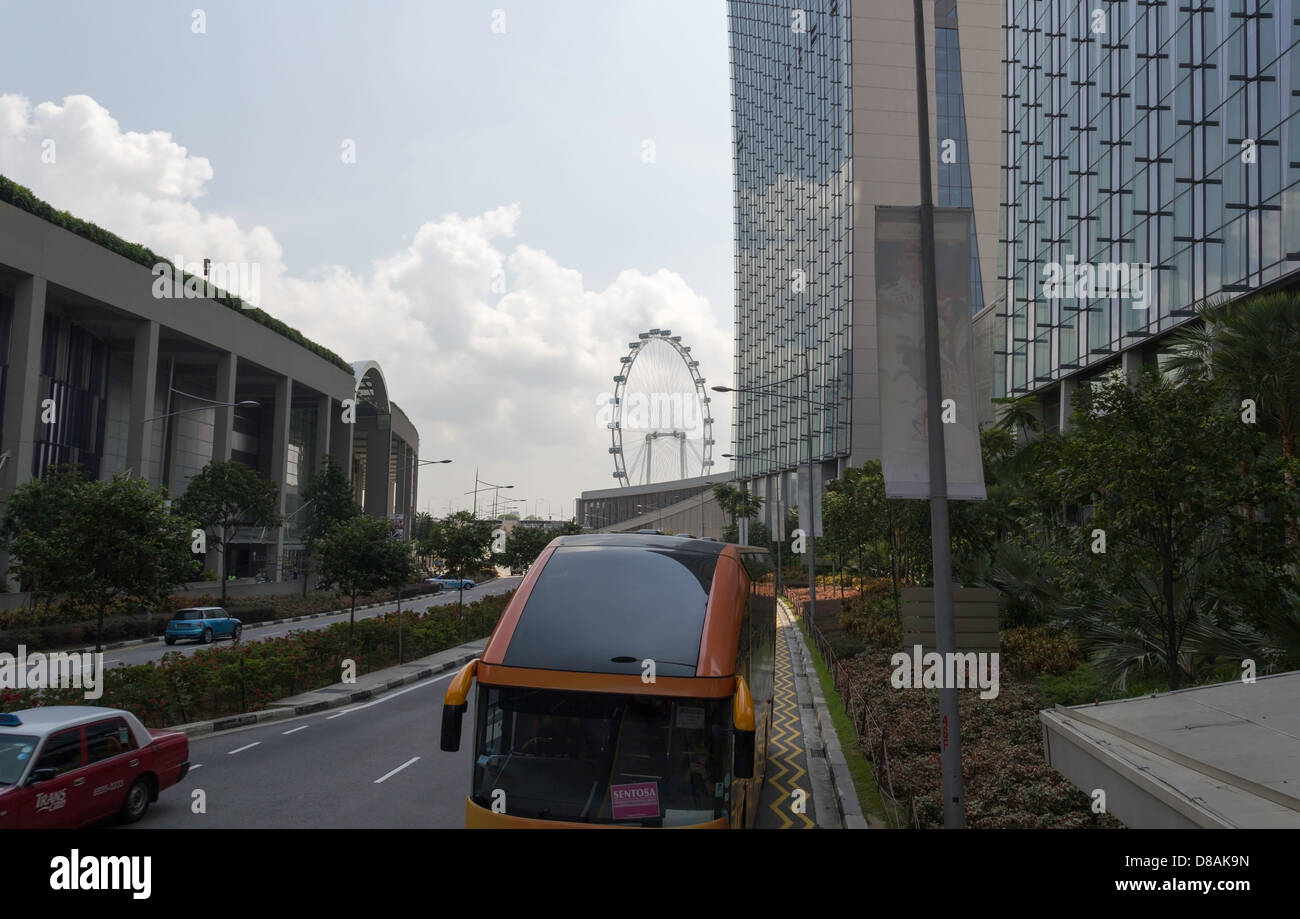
(15, 753)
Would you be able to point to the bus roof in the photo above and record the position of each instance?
(610, 603)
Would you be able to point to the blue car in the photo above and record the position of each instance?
(202, 624)
(450, 583)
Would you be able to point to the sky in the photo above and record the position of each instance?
(490, 199)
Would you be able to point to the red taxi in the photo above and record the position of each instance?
(71, 765)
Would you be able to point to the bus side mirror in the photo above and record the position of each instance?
(454, 705)
(452, 716)
(742, 716)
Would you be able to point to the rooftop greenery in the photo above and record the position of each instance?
(22, 198)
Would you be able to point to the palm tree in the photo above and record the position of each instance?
(736, 503)
(1251, 347)
(1020, 415)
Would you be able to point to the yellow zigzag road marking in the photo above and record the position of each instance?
(786, 729)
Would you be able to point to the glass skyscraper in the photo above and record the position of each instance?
(824, 130)
(793, 143)
(1140, 133)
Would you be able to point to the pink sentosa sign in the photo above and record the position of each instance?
(636, 801)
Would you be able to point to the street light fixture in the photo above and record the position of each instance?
(204, 408)
(212, 403)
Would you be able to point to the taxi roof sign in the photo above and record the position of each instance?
(10, 721)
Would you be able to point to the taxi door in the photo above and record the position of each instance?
(114, 762)
(60, 802)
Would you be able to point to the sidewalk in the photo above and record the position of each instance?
(835, 800)
(366, 686)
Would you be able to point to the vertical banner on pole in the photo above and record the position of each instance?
(810, 505)
(782, 485)
(901, 348)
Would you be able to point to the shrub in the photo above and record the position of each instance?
(1008, 784)
(845, 646)
(246, 677)
(1076, 686)
(1030, 651)
(870, 619)
(48, 633)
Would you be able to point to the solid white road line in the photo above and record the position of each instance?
(296, 730)
(389, 775)
(243, 748)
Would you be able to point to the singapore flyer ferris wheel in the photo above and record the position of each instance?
(662, 427)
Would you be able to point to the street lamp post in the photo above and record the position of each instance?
(812, 497)
(954, 795)
(477, 483)
(162, 476)
(780, 527)
(411, 532)
(212, 403)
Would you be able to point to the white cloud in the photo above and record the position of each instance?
(505, 380)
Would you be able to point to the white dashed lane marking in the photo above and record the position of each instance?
(245, 747)
(296, 730)
(389, 775)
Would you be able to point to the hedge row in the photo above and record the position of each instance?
(248, 610)
(247, 677)
(22, 198)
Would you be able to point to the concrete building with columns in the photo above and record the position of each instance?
(95, 369)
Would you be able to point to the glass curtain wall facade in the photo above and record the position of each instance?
(950, 120)
(74, 378)
(1156, 132)
(792, 148)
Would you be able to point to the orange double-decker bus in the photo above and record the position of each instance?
(628, 683)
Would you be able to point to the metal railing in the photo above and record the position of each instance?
(871, 733)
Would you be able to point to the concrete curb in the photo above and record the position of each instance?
(280, 712)
(846, 796)
(154, 639)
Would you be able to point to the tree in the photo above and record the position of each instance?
(330, 501)
(736, 503)
(361, 556)
(116, 541)
(759, 535)
(524, 544)
(462, 542)
(421, 527)
(1020, 416)
(225, 494)
(34, 519)
(1158, 463)
(1250, 348)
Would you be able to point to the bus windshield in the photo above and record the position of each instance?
(602, 758)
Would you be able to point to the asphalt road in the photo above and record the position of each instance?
(376, 764)
(139, 654)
